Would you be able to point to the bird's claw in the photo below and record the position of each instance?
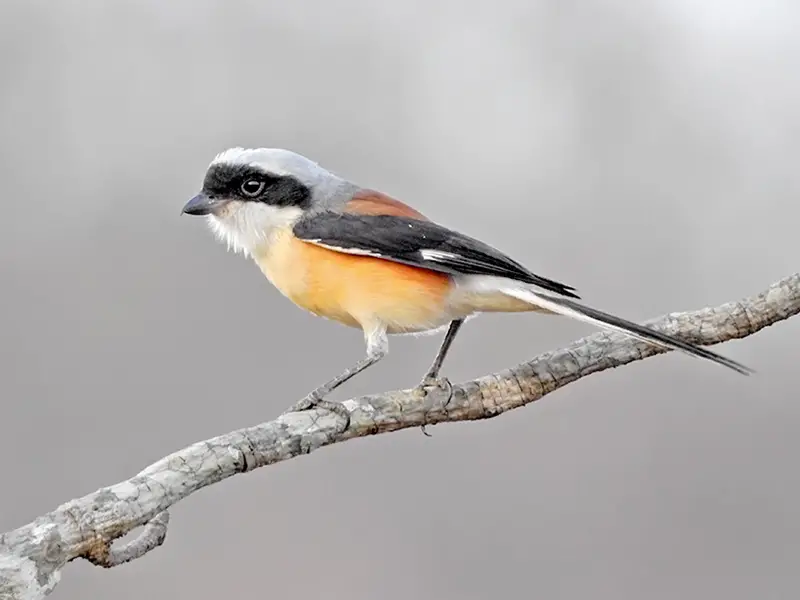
(439, 383)
(316, 400)
(435, 384)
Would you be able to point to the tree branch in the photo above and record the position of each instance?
(152, 536)
(31, 557)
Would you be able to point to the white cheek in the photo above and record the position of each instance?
(245, 226)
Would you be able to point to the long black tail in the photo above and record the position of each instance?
(570, 308)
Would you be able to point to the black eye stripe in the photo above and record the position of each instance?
(243, 182)
(229, 180)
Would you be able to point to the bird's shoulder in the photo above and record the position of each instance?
(385, 228)
(373, 202)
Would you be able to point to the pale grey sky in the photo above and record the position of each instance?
(645, 153)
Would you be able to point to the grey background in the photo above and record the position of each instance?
(643, 152)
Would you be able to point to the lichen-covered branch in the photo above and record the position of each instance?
(32, 557)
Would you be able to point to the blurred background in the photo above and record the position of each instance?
(644, 152)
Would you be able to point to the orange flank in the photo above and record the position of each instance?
(356, 290)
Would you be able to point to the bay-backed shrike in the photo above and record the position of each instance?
(366, 260)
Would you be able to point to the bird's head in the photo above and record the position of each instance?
(248, 194)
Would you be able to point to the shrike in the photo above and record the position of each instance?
(364, 259)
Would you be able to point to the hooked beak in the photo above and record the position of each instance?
(203, 204)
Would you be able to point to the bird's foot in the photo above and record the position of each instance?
(432, 386)
(316, 399)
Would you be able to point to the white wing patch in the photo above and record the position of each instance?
(356, 251)
(437, 255)
(431, 255)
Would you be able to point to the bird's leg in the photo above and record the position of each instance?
(432, 376)
(377, 348)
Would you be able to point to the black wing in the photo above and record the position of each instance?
(417, 243)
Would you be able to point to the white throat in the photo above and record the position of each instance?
(250, 227)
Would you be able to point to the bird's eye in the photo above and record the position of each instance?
(252, 187)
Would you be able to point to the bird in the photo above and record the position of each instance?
(360, 257)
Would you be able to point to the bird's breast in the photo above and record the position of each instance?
(292, 267)
(355, 290)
